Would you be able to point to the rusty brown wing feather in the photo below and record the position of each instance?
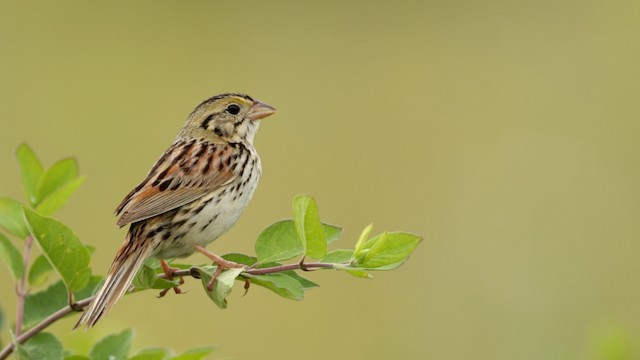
(186, 172)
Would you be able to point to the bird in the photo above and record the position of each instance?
(194, 193)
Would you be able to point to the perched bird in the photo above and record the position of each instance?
(193, 194)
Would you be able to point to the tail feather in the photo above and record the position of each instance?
(125, 266)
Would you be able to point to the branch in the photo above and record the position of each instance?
(299, 266)
(43, 325)
(265, 271)
(22, 338)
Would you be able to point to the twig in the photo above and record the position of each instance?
(269, 270)
(43, 325)
(20, 339)
(297, 266)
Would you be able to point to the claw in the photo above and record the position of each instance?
(162, 293)
(177, 289)
(169, 271)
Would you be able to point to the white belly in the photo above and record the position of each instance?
(208, 217)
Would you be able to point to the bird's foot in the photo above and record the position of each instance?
(168, 272)
(221, 263)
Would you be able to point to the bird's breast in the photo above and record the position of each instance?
(204, 220)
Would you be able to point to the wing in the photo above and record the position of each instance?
(186, 172)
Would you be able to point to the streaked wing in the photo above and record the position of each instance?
(186, 172)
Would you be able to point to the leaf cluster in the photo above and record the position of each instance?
(61, 271)
(59, 279)
(113, 347)
(46, 191)
(304, 237)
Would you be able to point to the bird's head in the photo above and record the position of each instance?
(227, 117)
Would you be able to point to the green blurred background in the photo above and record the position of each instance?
(504, 132)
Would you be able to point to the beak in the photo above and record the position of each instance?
(259, 110)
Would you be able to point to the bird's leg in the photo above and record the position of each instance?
(220, 262)
(168, 272)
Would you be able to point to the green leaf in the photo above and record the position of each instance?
(11, 217)
(43, 346)
(59, 197)
(221, 287)
(152, 354)
(338, 256)
(113, 347)
(363, 239)
(162, 354)
(11, 257)
(40, 270)
(331, 232)
(147, 278)
(195, 354)
(306, 283)
(44, 303)
(391, 266)
(308, 226)
(281, 284)
(90, 248)
(76, 357)
(240, 258)
(386, 249)
(39, 305)
(62, 248)
(56, 176)
(354, 271)
(31, 171)
(144, 279)
(278, 242)
(21, 354)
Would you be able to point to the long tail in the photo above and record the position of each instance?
(124, 267)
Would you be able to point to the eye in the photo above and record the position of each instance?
(233, 109)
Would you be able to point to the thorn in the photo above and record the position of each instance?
(76, 307)
(302, 265)
(247, 284)
(177, 290)
(73, 305)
